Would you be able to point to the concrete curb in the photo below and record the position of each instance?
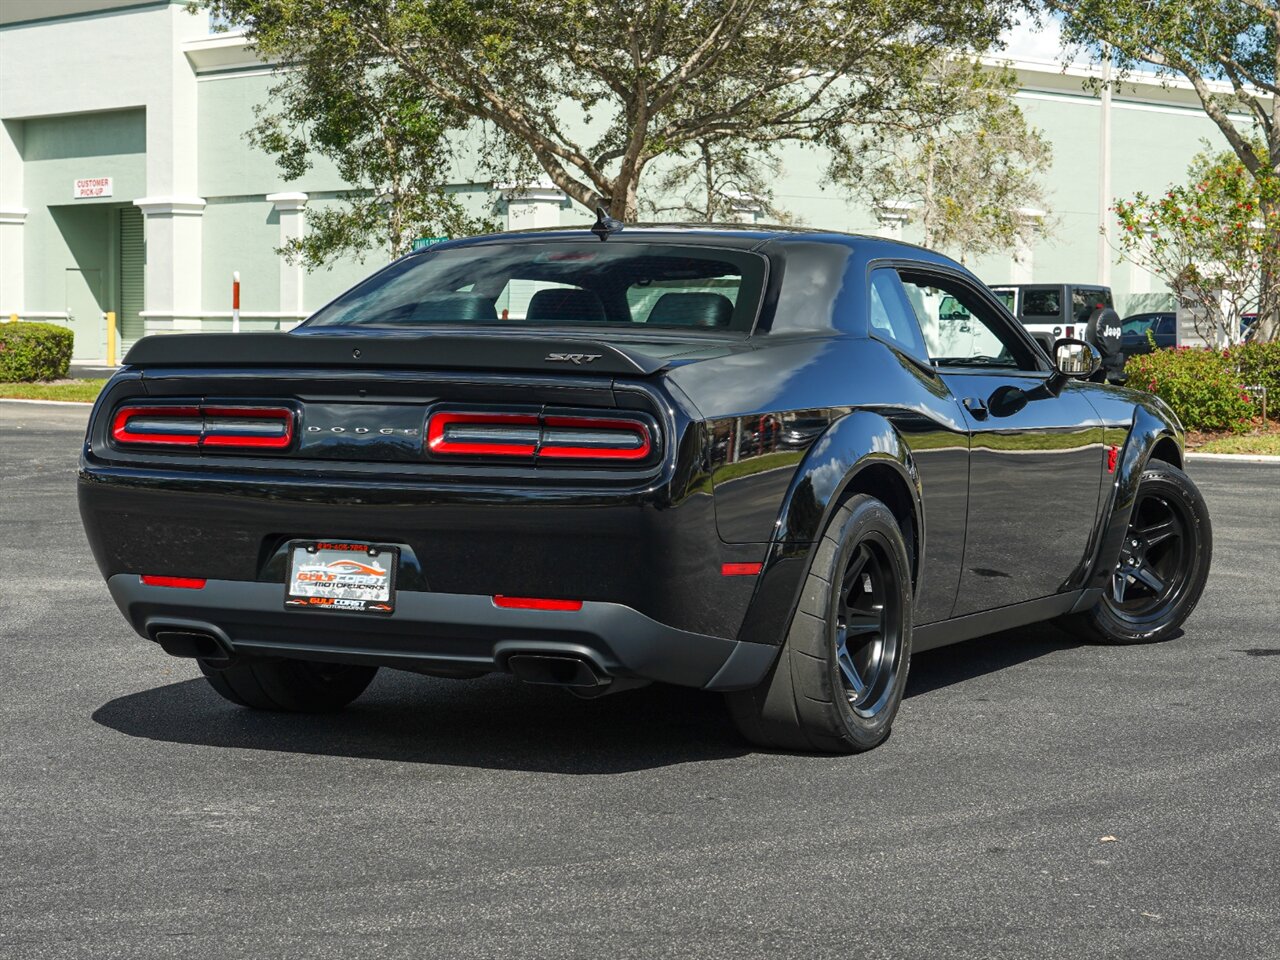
(1237, 457)
(56, 403)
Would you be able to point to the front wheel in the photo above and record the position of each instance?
(1161, 571)
(842, 670)
(292, 686)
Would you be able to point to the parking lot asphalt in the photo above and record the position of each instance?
(1038, 797)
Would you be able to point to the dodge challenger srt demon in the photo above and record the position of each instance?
(758, 462)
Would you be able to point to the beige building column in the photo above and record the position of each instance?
(174, 259)
(290, 209)
(893, 216)
(13, 217)
(1022, 264)
(532, 206)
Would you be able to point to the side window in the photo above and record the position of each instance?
(892, 318)
(1042, 303)
(962, 329)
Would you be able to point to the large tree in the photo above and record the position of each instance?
(1229, 51)
(386, 140)
(965, 169)
(593, 91)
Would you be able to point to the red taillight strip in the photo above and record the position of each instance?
(635, 427)
(213, 439)
(186, 583)
(121, 433)
(438, 442)
(211, 432)
(535, 603)
(740, 569)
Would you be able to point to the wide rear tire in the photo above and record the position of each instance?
(291, 686)
(842, 669)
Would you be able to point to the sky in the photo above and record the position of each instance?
(1026, 39)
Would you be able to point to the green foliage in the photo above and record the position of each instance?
(590, 92)
(1212, 45)
(34, 351)
(1210, 240)
(1259, 365)
(966, 169)
(335, 98)
(1202, 386)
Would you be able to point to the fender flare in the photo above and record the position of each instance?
(1153, 423)
(831, 466)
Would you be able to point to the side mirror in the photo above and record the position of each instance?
(1072, 360)
(1076, 359)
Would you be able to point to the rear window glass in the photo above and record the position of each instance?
(624, 285)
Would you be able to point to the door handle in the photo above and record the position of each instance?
(976, 406)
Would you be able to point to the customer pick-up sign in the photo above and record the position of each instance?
(92, 187)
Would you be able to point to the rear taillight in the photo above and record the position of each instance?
(483, 434)
(1071, 331)
(592, 438)
(224, 427)
(552, 437)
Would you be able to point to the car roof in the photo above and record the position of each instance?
(751, 236)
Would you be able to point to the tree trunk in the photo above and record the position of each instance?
(1269, 303)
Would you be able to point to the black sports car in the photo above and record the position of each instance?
(760, 462)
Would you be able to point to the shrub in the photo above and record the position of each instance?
(1202, 386)
(1259, 363)
(34, 351)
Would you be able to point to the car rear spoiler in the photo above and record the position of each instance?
(483, 351)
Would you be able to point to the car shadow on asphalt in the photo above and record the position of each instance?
(496, 722)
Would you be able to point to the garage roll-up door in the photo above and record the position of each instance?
(133, 261)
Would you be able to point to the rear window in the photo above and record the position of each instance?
(619, 285)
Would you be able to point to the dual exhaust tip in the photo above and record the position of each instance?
(192, 643)
(575, 672)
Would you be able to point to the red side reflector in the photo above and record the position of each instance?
(186, 583)
(535, 603)
(741, 569)
(1113, 454)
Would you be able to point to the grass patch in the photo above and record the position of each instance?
(82, 390)
(1267, 444)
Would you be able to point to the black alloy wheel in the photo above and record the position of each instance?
(868, 628)
(1154, 566)
(1163, 564)
(842, 669)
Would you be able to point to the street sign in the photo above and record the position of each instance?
(423, 242)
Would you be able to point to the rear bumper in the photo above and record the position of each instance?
(445, 631)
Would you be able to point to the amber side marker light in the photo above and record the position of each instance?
(185, 583)
(741, 569)
(535, 603)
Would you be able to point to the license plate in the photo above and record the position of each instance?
(342, 577)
